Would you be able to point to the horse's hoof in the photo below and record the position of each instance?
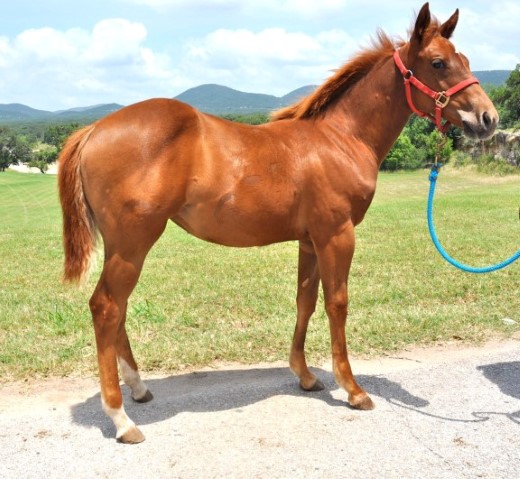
(146, 398)
(362, 402)
(132, 436)
(316, 385)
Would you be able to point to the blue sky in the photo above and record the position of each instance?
(58, 54)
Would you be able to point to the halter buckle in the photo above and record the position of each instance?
(441, 100)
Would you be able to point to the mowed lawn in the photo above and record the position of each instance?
(198, 303)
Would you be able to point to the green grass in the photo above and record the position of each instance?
(198, 303)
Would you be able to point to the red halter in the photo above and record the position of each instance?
(441, 98)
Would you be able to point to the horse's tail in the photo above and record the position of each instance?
(79, 227)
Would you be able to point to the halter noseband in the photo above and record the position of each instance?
(441, 98)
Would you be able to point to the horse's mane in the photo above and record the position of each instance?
(344, 78)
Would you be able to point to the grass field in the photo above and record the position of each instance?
(197, 303)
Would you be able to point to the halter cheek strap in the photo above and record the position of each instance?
(441, 98)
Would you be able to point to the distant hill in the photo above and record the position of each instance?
(220, 99)
(18, 112)
(90, 113)
(216, 99)
(15, 112)
(295, 95)
(492, 77)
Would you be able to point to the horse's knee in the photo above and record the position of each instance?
(337, 308)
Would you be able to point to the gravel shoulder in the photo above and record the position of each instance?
(443, 412)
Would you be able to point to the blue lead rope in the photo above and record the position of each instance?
(469, 269)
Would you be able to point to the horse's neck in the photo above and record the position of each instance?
(374, 110)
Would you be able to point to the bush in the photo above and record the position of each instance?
(487, 164)
(492, 166)
(403, 156)
(459, 159)
(416, 147)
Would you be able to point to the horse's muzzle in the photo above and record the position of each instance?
(481, 128)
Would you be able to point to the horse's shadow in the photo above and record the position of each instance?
(220, 390)
(505, 375)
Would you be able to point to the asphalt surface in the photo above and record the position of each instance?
(446, 413)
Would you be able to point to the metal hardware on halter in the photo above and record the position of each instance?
(442, 99)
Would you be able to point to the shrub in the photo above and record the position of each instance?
(488, 164)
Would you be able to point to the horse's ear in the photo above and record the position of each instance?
(421, 24)
(449, 25)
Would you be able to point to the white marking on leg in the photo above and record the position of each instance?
(132, 380)
(120, 419)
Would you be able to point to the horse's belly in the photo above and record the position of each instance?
(231, 223)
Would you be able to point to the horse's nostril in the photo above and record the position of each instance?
(487, 119)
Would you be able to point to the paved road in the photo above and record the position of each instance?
(439, 414)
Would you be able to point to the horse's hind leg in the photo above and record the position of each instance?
(125, 251)
(128, 366)
(308, 283)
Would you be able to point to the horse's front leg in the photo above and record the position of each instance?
(334, 260)
(308, 284)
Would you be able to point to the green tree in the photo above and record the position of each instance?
(402, 156)
(43, 156)
(249, 118)
(13, 149)
(416, 147)
(507, 100)
(57, 134)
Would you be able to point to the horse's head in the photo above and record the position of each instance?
(436, 63)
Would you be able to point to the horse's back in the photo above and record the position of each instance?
(150, 124)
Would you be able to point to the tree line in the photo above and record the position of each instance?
(34, 151)
(39, 145)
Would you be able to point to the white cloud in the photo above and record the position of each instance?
(239, 46)
(272, 60)
(115, 40)
(6, 52)
(490, 37)
(46, 43)
(78, 67)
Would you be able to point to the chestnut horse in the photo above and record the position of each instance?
(308, 175)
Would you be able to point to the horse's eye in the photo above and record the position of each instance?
(438, 64)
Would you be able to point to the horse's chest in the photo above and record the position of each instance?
(347, 194)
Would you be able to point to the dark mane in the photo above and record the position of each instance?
(343, 79)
